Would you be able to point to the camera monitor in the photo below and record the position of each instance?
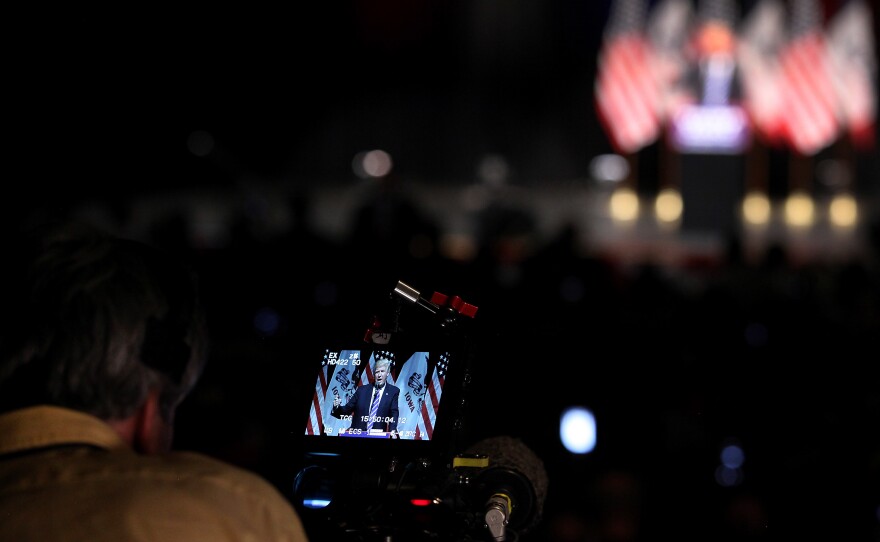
(427, 382)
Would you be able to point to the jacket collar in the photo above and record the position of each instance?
(45, 426)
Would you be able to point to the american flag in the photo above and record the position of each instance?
(366, 375)
(851, 49)
(411, 381)
(315, 425)
(667, 28)
(342, 384)
(761, 38)
(425, 427)
(808, 96)
(628, 97)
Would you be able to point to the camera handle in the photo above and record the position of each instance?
(447, 309)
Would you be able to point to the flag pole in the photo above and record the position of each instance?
(757, 167)
(670, 165)
(631, 181)
(800, 169)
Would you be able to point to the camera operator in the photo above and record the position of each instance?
(372, 407)
(101, 338)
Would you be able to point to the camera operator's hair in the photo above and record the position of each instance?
(93, 322)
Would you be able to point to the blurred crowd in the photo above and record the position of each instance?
(773, 354)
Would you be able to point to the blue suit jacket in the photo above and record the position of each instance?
(359, 408)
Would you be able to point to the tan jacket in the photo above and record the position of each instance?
(67, 476)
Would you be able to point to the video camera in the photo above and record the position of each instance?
(405, 473)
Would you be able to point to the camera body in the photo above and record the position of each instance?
(404, 476)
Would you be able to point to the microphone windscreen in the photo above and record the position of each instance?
(505, 452)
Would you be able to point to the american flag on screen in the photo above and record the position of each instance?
(852, 51)
(628, 98)
(412, 392)
(335, 380)
(315, 425)
(366, 375)
(808, 96)
(425, 426)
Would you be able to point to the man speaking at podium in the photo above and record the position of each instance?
(372, 407)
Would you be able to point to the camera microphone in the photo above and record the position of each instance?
(514, 485)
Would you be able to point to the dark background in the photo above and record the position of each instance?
(775, 353)
(107, 99)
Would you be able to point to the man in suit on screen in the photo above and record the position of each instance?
(374, 406)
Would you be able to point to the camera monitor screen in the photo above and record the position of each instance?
(372, 393)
